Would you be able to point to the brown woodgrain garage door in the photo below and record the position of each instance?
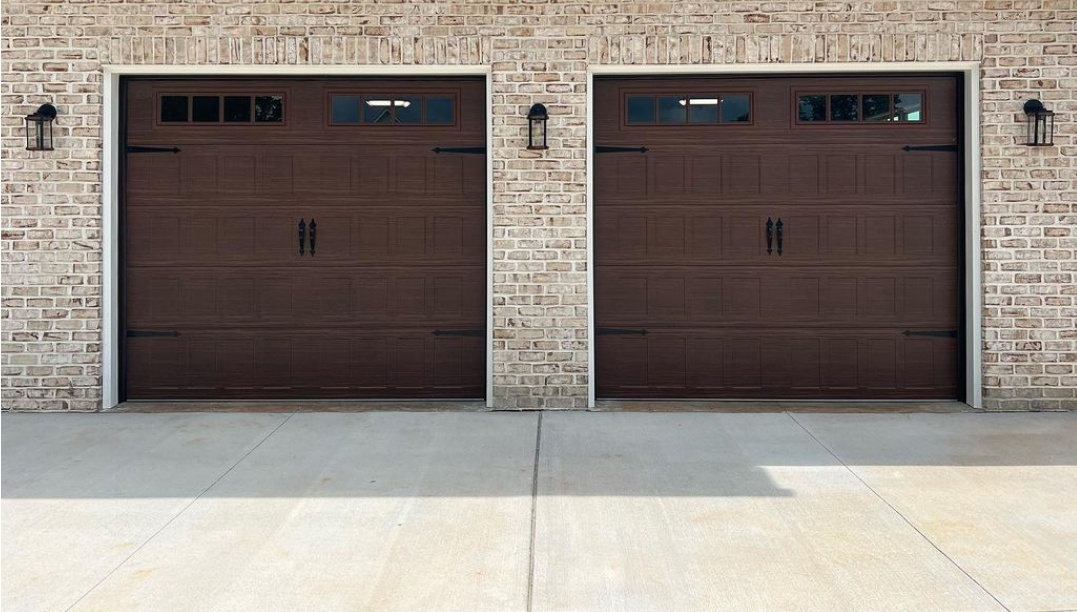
(778, 238)
(304, 239)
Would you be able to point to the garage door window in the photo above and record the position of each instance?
(232, 108)
(391, 109)
(678, 109)
(859, 108)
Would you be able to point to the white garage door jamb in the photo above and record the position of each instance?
(110, 188)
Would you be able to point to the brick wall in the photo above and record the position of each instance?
(539, 52)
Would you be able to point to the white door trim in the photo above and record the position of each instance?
(110, 188)
(972, 182)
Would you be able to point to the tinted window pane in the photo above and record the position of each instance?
(409, 109)
(237, 109)
(843, 107)
(811, 108)
(877, 107)
(345, 109)
(672, 109)
(736, 108)
(377, 109)
(439, 109)
(907, 107)
(206, 109)
(173, 108)
(269, 108)
(640, 109)
(703, 109)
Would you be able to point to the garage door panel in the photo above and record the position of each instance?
(324, 363)
(723, 174)
(821, 296)
(250, 174)
(156, 175)
(811, 234)
(760, 363)
(205, 235)
(246, 235)
(178, 299)
(706, 173)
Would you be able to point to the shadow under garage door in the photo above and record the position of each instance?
(777, 238)
(303, 239)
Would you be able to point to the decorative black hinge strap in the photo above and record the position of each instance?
(460, 332)
(931, 333)
(473, 150)
(142, 333)
(619, 331)
(949, 147)
(141, 149)
(613, 149)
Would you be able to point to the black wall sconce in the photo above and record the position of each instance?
(39, 128)
(536, 127)
(1041, 125)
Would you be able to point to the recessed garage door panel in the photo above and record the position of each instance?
(305, 256)
(777, 256)
(776, 364)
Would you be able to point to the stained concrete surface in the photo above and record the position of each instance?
(623, 511)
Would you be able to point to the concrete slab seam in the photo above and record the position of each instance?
(898, 512)
(534, 517)
(178, 514)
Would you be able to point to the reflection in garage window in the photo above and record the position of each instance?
(344, 109)
(811, 108)
(876, 107)
(232, 108)
(671, 109)
(701, 108)
(640, 109)
(439, 109)
(237, 109)
(907, 107)
(174, 109)
(269, 109)
(736, 108)
(844, 107)
(206, 109)
(377, 108)
(408, 109)
(856, 108)
(390, 109)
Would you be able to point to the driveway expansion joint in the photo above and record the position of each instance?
(898, 512)
(180, 513)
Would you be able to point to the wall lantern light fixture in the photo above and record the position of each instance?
(39, 128)
(536, 127)
(1041, 124)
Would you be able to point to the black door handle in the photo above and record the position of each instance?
(302, 234)
(314, 236)
(770, 235)
(778, 227)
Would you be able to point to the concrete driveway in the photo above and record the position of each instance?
(521, 511)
